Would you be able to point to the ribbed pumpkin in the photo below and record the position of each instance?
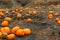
(5, 23)
(5, 30)
(14, 29)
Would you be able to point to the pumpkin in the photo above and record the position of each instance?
(57, 19)
(27, 31)
(8, 19)
(1, 14)
(34, 12)
(29, 12)
(56, 14)
(21, 10)
(13, 12)
(10, 37)
(20, 32)
(4, 23)
(19, 15)
(16, 10)
(51, 12)
(14, 29)
(50, 16)
(5, 30)
(0, 34)
(29, 20)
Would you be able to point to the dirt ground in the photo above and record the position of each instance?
(42, 27)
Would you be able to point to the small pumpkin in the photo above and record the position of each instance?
(27, 31)
(14, 29)
(21, 10)
(29, 20)
(56, 14)
(4, 23)
(29, 12)
(19, 15)
(11, 37)
(20, 32)
(5, 30)
(16, 10)
(50, 16)
(34, 12)
(51, 12)
(13, 12)
(8, 19)
(57, 19)
(1, 14)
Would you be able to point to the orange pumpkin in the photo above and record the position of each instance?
(57, 19)
(21, 10)
(1, 14)
(13, 12)
(29, 20)
(4, 23)
(14, 29)
(16, 10)
(0, 34)
(5, 30)
(50, 16)
(56, 14)
(34, 12)
(27, 31)
(8, 19)
(19, 15)
(51, 12)
(20, 32)
(30, 12)
(11, 37)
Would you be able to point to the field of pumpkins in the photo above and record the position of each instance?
(26, 23)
